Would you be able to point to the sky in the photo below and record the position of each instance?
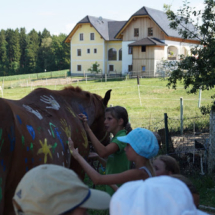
(60, 16)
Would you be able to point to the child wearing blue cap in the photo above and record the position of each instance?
(141, 146)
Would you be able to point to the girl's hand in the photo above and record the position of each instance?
(83, 118)
(74, 152)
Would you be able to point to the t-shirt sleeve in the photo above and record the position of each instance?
(120, 144)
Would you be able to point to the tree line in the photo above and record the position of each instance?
(22, 53)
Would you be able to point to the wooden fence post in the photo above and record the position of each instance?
(181, 115)
(166, 132)
(211, 153)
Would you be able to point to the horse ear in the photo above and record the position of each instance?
(107, 97)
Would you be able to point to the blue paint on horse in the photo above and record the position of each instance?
(26, 160)
(31, 131)
(32, 160)
(58, 136)
(27, 148)
(82, 110)
(12, 139)
(20, 121)
(2, 164)
(26, 169)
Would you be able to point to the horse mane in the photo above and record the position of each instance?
(70, 89)
(73, 89)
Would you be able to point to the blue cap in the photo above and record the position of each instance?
(142, 141)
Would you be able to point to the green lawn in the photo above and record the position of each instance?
(155, 98)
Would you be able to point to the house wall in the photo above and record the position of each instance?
(86, 59)
(146, 59)
(143, 23)
(117, 45)
(126, 58)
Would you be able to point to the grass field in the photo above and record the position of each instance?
(146, 105)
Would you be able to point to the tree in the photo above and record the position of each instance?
(3, 53)
(32, 51)
(95, 68)
(198, 70)
(23, 46)
(13, 50)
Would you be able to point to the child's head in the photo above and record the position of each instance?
(165, 165)
(53, 189)
(143, 142)
(156, 195)
(118, 112)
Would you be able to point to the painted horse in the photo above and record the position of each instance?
(35, 130)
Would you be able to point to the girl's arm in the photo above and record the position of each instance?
(129, 175)
(114, 187)
(103, 151)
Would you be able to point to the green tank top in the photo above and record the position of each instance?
(117, 162)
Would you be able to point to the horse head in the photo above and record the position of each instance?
(98, 124)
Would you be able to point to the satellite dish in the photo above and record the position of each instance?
(100, 20)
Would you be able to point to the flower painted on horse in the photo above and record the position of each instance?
(51, 101)
(45, 148)
(65, 128)
(83, 133)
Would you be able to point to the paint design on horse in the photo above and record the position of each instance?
(12, 138)
(66, 128)
(19, 150)
(31, 131)
(83, 133)
(54, 147)
(70, 110)
(45, 148)
(58, 136)
(3, 166)
(18, 117)
(35, 112)
(23, 140)
(82, 110)
(51, 101)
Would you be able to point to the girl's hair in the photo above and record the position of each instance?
(170, 163)
(119, 112)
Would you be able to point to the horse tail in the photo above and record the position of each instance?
(7, 146)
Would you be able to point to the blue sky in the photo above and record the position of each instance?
(61, 16)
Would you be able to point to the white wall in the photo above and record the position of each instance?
(126, 58)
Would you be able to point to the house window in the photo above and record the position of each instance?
(92, 36)
(95, 51)
(143, 68)
(143, 48)
(111, 68)
(120, 54)
(136, 32)
(130, 50)
(112, 54)
(150, 32)
(79, 68)
(81, 36)
(88, 51)
(130, 68)
(78, 52)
